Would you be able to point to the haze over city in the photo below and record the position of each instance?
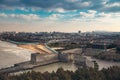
(59, 15)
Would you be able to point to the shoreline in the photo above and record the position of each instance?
(26, 65)
(11, 54)
(21, 43)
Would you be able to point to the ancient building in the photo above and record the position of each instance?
(73, 55)
(76, 56)
(65, 57)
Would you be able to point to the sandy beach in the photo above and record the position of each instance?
(40, 48)
(11, 54)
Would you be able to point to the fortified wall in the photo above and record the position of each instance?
(74, 55)
(37, 57)
(40, 59)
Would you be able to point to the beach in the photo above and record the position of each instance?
(11, 54)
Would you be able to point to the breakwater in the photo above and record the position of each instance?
(26, 66)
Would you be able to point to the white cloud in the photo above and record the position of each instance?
(28, 17)
(98, 18)
(100, 5)
(54, 17)
(89, 14)
(116, 4)
(20, 16)
(3, 15)
(104, 2)
(102, 14)
(92, 11)
(86, 3)
(23, 9)
(72, 0)
(83, 4)
(106, 21)
(60, 10)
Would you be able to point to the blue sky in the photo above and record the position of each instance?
(59, 15)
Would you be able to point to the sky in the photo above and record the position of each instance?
(59, 15)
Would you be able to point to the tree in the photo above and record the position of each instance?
(96, 66)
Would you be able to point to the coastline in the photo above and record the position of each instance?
(102, 63)
(11, 54)
(20, 66)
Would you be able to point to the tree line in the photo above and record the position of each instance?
(111, 73)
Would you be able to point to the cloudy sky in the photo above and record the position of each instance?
(59, 15)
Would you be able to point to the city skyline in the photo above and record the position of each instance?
(63, 15)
